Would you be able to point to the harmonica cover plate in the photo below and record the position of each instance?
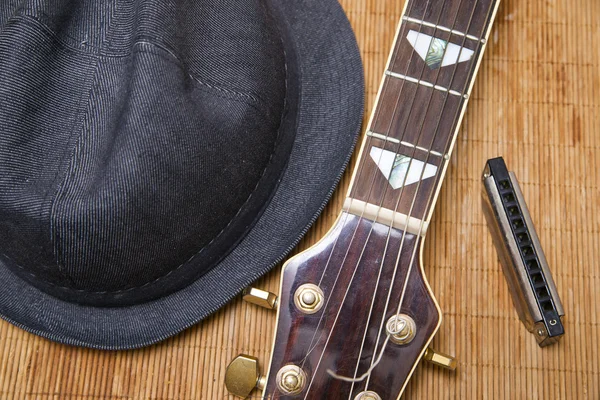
(523, 261)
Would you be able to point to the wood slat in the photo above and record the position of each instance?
(537, 103)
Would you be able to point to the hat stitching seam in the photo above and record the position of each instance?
(226, 94)
(66, 154)
(66, 46)
(201, 250)
(52, 35)
(34, 23)
(74, 156)
(194, 77)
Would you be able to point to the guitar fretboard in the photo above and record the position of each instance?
(421, 102)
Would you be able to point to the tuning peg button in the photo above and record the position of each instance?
(440, 359)
(242, 376)
(260, 298)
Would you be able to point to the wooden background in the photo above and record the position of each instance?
(537, 103)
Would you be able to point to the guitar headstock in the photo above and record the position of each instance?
(340, 328)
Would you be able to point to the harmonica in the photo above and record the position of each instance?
(523, 262)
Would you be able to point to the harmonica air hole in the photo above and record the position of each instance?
(547, 306)
(513, 211)
(527, 250)
(517, 223)
(523, 237)
(505, 184)
(533, 265)
(509, 197)
(542, 293)
(537, 278)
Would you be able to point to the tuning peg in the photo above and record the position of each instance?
(242, 376)
(440, 359)
(260, 298)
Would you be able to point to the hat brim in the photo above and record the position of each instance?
(329, 119)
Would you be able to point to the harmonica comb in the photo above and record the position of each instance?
(523, 262)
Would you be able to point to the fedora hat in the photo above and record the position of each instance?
(156, 157)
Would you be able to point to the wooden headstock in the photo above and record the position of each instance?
(334, 316)
(354, 272)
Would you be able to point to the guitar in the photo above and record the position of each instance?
(355, 314)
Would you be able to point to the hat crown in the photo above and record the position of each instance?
(139, 141)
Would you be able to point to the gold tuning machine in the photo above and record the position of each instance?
(440, 359)
(242, 376)
(260, 298)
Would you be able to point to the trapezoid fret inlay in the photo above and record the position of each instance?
(437, 52)
(401, 170)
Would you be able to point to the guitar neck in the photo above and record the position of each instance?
(355, 313)
(422, 99)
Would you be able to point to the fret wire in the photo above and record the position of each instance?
(453, 136)
(442, 28)
(407, 144)
(399, 196)
(410, 108)
(425, 83)
(404, 233)
(422, 83)
(416, 192)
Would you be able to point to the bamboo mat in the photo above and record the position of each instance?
(537, 103)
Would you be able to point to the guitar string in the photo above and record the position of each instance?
(392, 61)
(404, 131)
(368, 140)
(417, 191)
(361, 168)
(466, 86)
(430, 149)
(389, 232)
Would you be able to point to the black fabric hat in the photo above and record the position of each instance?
(158, 156)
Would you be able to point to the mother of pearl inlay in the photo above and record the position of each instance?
(437, 52)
